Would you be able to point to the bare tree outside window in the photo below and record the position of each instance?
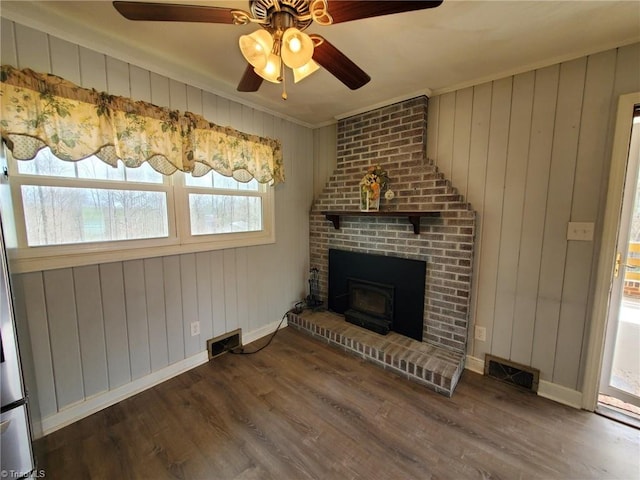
(89, 201)
(224, 212)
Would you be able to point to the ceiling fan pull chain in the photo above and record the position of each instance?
(284, 81)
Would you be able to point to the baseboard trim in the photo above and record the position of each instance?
(474, 364)
(100, 401)
(552, 391)
(262, 332)
(560, 394)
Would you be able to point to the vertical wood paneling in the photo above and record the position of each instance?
(512, 206)
(137, 327)
(281, 281)
(189, 303)
(63, 330)
(93, 70)
(433, 125)
(325, 158)
(91, 329)
(159, 90)
(194, 100)
(36, 311)
(254, 287)
(242, 288)
(533, 215)
(584, 207)
(553, 263)
(178, 95)
(140, 83)
(118, 77)
(627, 76)
(592, 145)
(222, 112)
(235, 114)
(156, 315)
(531, 287)
(247, 124)
(478, 151)
(230, 292)
(64, 60)
(115, 324)
(203, 277)
(173, 308)
(461, 139)
(626, 80)
(32, 49)
(8, 55)
(492, 222)
(446, 127)
(216, 266)
(209, 106)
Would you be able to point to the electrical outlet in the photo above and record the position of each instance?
(481, 333)
(195, 328)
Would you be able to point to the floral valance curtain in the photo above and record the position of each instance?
(42, 110)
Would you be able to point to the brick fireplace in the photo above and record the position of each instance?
(395, 138)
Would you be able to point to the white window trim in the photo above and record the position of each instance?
(179, 240)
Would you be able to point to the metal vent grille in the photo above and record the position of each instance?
(223, 343)
(511, 372)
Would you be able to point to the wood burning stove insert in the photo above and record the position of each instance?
(393, 284)
(370, 305)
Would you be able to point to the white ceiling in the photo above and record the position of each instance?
(458, 44)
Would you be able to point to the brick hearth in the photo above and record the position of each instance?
(437, 368)
(395, 138)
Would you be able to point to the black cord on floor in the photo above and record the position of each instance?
(240, 350)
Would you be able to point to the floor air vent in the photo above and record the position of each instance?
(511, 372)
(223, 343)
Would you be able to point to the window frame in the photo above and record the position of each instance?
(179, 240)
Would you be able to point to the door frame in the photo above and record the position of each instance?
(608, 243)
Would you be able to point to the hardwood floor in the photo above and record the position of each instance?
(301, 409)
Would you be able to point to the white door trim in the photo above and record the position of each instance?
(606, 259)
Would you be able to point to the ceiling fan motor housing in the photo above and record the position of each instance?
(281, 14)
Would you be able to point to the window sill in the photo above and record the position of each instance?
(24, 260)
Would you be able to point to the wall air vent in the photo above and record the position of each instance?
(511, 372)
(223, 343)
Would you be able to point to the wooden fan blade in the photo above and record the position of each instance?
(339, 65)
(250, 81)
(347, 10)
(171, 12)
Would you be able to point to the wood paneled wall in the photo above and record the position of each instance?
(92, 329)
(531, 153)
(324, 156)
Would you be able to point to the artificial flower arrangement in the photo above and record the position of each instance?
(372, 185)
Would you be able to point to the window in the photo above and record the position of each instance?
(236, 208)
(69, 212)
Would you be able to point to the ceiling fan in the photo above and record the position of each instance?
(281, 40)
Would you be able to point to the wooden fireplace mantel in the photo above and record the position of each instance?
(414, 217)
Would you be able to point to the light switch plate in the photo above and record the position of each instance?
(581, 231)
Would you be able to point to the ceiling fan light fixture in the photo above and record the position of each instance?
(304, 71)
(271, 71)
(297, 48)
(256, 48)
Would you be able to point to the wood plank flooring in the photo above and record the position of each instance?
(303, 410)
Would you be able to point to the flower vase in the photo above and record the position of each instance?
(367, 203)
